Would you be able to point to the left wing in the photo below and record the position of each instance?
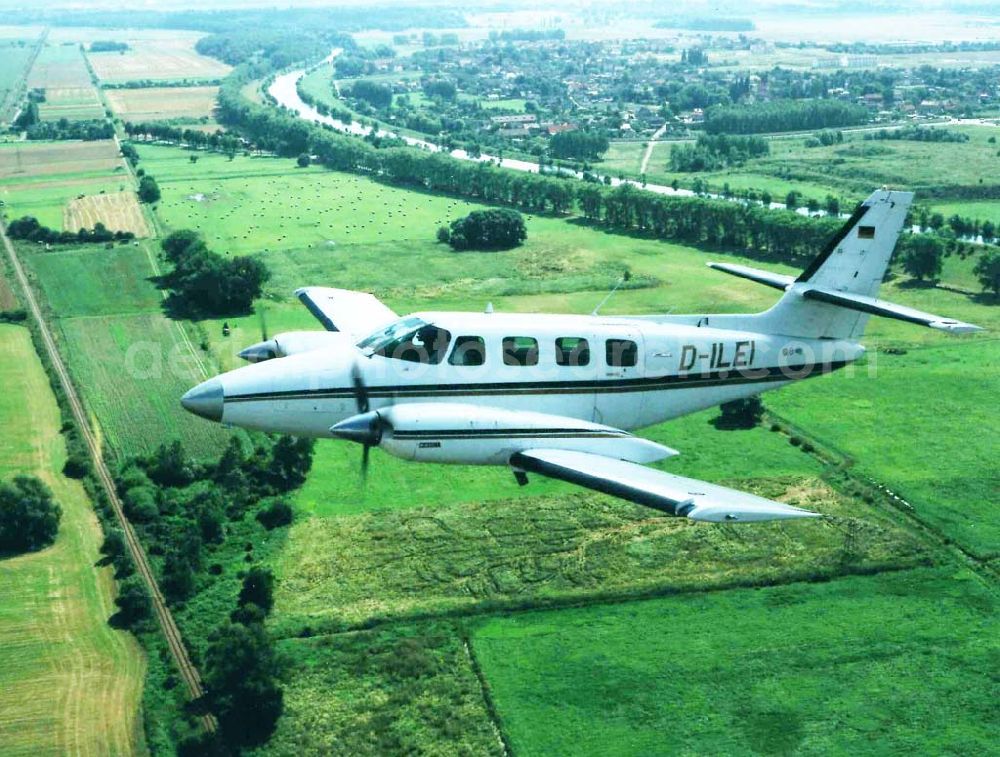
(357, 314)
(674, 495)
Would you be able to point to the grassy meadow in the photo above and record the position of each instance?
(869, 665)
(69, 683)
(14, 57)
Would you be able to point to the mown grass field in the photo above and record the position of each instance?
(130, 362)
(118, 211)
(160, 104)
(69, 93)
(888, 664)
(69, 684)
(41, 179)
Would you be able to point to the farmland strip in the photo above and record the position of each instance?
(170, 631)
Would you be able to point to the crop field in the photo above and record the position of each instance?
(14, 57)
(69, 93)
(162, 59)
(118, 211)
(771, 671)
(130, 362)
(42, 178)
(69, 683)
(160, 104)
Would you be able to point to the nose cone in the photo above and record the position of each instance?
(205, 400)
(363, 429)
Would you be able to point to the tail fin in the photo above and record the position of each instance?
(834, 297)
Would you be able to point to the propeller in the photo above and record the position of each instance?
(366, 427)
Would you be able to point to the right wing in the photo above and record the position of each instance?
(674, 495)
(357, 314)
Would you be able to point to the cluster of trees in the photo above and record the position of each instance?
(783, 115)
(494, 229)
(578, 144)
(205, 283)
(66, 129)
(374, 93)
(27, 118)
(30, 229)
(715, 151)
(918, 134)
(442, 88)
(29, 517)
(694, 57)
(987, 271)
(108, 46)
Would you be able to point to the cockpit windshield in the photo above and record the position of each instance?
(411, 339)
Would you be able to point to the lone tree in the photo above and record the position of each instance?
(923, 257)
(987, 270)
(29, 518)
(149, 190)
(497, 229)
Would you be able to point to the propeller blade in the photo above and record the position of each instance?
(360, 390)
(366, 452)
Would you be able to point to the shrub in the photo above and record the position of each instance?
(278, 513)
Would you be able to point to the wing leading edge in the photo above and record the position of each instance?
(674, 495)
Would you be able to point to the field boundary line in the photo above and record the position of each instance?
(484, 686)
(171, 632)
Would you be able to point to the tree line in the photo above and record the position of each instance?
(30, 229)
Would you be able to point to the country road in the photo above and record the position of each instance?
(170, 630)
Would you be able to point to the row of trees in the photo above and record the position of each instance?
(66, 129)
(205, 283)
(219, 140)
(30, 229)
(716, 151)
(578, 144)
(918, 134)
(783, 115)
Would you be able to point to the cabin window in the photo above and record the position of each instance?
(572, 351)
(427, 344)
(469, 351)
(520, 350)
(621, 353)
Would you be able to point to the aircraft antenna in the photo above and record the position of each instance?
(625, 277)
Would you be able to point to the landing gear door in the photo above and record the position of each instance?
(620, 358)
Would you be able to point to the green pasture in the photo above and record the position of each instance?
(889, 664)
(68, 682)
(431, 539)
(130, 362)
(46, 200)
(624, 157)
(984, 210)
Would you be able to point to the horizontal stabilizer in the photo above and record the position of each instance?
(775, 280)
(674, 495)
(874, 306)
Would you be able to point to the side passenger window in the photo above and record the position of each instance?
(621, 353)
(469, 351)
(520, 350)
(572, 351)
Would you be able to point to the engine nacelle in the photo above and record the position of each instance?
(292, 343)
(473, 435)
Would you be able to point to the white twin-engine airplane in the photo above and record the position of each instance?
(556, 395)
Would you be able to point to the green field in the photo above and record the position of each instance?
(69, 684)
(890, 664)
(853, 169)
(131, 363)
(623, 157)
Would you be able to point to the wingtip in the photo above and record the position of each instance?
(776, 511)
